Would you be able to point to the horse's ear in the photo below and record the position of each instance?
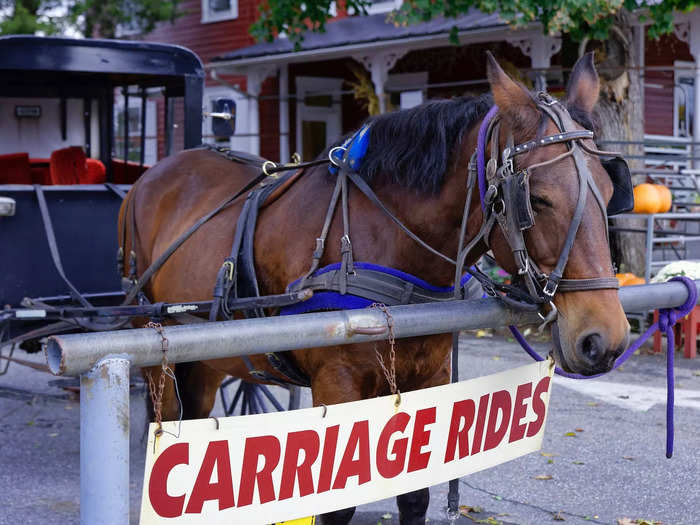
(506, 92)
(584, 85)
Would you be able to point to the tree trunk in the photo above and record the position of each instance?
(621, 116)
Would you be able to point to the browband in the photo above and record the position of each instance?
(557, 138)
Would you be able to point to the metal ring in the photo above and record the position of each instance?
(264, 168)
(330, 155)
(325, 410)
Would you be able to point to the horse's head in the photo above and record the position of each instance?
(567, 183)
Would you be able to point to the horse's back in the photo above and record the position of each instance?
(167, 200)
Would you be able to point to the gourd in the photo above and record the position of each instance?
(652, 198)
(646, 199)
(622, 278)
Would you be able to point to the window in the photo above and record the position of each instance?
(406, 90)
(683, 95)
(383, 6)
(134, 119)
(217, 10)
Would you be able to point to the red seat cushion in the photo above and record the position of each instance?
(68, 165)
(14, 169)
(96, 172)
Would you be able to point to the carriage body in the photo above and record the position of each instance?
(58, 95)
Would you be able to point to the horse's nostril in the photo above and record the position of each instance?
(592, 348)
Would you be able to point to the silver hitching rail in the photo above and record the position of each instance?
(74, 354)
(103, 361)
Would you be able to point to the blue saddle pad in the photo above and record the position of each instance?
(323, 301)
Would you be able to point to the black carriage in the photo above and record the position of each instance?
(83, 119)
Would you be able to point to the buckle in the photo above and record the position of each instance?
(550, 288)
(331, 155)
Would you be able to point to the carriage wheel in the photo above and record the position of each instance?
(240, 397)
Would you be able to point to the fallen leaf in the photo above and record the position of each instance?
(624, 397)
(629, 458)
(593, 403)
(579, 430)
(578, 462)
(696, 373)
(386, 516)
(483, 333)
(548, 454)
(543, 477)
(498, 498)
(558, 517)
(550, 461)
(466, 509)
(625, 521)
(53, 434)
(496, 358)
(570, 434)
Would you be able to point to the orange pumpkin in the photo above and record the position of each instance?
(634, 281)
(665, 198)
(646, 199)
(622, 278)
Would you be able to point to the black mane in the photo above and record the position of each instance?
(414, 146)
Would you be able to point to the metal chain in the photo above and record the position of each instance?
(157, 393)
(389, 373)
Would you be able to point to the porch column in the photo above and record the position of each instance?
(254, 81)
(540, 48)
(379, 65)
(284, 112)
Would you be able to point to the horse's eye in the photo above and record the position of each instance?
(540, 202)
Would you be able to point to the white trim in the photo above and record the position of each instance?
(472, 36)
(209, 17)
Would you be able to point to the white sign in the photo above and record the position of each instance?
(273, 467)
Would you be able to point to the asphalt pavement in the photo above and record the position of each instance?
(603, 457)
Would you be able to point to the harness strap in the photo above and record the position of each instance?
(369, 193)
(160, 261)
(53, 246)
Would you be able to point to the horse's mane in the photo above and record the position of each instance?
(414, 146)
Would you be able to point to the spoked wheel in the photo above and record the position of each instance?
(240, 397)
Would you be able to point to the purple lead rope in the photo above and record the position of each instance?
(667, 319)
(667, 316)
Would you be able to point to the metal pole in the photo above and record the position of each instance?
(72, 354)
(649, 247)
(104, 442)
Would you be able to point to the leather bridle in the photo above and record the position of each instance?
(505, 199)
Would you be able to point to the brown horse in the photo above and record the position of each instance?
(416, 163)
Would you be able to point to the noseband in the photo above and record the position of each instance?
(504, 190)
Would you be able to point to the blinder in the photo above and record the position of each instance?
(622, 199)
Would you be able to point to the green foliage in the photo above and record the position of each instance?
(578, 18)
(87, 17)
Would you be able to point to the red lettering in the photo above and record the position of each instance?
(306, 440)
(500, 402)
(517, 431)
(418, 460)
(480, 423)
(328, 459)
(164, 504)
(358, 441)
(203, 490)
(462, 421)
(390, 468)
(269, 448)
(538, 406)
